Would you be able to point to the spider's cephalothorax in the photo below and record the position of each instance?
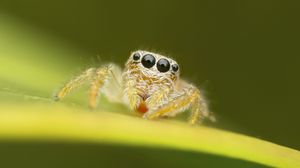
(146, 73)
(149, 84)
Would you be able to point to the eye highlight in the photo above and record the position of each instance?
(148, 60)
(163, 65)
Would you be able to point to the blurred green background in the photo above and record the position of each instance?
(49, 155)
(244, 54)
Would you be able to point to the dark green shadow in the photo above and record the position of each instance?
(56, 154)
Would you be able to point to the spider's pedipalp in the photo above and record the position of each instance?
(132, 97)
(158, 97)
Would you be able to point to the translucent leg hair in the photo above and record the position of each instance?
(74, 83)
(96, 77)
(191, 99)
(97, 83)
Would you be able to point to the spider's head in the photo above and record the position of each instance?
(153, 66)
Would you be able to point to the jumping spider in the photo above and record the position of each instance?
(149, 85)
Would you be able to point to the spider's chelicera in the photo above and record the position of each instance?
(149, 85)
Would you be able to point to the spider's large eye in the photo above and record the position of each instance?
(163, 65)
(175, 67)
(136, 56)
(148, 60)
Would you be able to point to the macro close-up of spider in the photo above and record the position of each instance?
(149, 84)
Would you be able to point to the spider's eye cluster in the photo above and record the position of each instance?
(162, 65)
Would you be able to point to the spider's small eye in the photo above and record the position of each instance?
(136, 56)
(163, 65)
(175, 67)
(148, 60)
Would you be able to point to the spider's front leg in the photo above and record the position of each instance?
(96, 77)
(189, 98)
(75, 83)
(97, 82)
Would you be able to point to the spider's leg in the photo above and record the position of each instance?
(199, 110)
(174, 104)
(74, 83)
(190, 98)
(98, 80)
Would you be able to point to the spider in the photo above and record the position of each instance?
(149, 85)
